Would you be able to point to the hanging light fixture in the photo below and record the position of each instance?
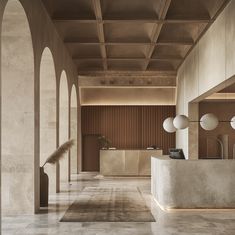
(209, 122)
(232, 122)
(168, 125)
(181, 122)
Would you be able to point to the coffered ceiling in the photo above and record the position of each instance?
(129, 51)
(131, 35)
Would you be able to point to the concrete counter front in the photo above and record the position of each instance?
(127, 162)
(193, 183)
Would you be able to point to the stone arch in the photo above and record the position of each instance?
(74, 131)
(64, 125)
(48, 116)
(17, 112)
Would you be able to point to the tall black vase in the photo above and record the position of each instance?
(44, 186)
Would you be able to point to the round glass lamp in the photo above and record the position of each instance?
(209, 122)
(232, 122)
(181, 122)
(168, 125)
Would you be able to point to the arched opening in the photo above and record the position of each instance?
(17, 110)
(64, 126)
(73, 131)
(48, 116)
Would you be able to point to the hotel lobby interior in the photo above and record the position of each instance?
(117, 117)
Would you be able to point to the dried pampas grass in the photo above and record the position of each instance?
(59, 152)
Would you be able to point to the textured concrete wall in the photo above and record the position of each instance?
(209, 64)
(64, 126)
(48, 116)
(127, 96)
(73, 131)
(193, 183)
(79, 136)
(43, 35)
(17, 106)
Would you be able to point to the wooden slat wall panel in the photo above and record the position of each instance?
(129, 127)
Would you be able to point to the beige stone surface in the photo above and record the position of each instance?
(193, 183)
(48, 116)
(176, 223)
(212, 56)
(132, 158)
(74, 131)
(127, 162)
(145, 161)
(230, 42)
(191, 71)
(64, 126)
(193, 131)
(112, 162)
(207, 69)
(127, 96)
(43, 34)
(17, 120)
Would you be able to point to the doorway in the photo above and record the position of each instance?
(90, 153)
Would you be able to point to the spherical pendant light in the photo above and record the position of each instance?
(209, 121)
(181, 122)
(232, 122)
(168, 125)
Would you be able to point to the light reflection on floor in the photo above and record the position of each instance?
(174, 223)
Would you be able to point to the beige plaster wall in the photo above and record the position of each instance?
(48, 116)
(64, 126)
(127, 96)
(43, 35)
(73, 131)
(17, 147)
(209, 64)
(79, 137)
(180, 184)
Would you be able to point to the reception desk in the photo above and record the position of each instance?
(127, 162)
(193, 183)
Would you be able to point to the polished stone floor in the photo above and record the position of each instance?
(171, 223)
(109, 204)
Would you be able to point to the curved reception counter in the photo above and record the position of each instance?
(193, 184)
(126, 162)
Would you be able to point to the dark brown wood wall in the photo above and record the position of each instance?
(129, 127)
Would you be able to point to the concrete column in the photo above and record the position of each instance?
(48, 116)
(193, 131)
(73, 132)
(64, 126)
(17, 106)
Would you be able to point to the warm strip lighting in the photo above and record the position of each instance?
(224, 96)
(192, 209)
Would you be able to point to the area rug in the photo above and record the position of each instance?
(99, 204)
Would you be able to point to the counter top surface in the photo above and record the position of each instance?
(127, 162)
(166, 157)
(130, 149)
(178, 183)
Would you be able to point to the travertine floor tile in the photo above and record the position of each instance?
(174, 223)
